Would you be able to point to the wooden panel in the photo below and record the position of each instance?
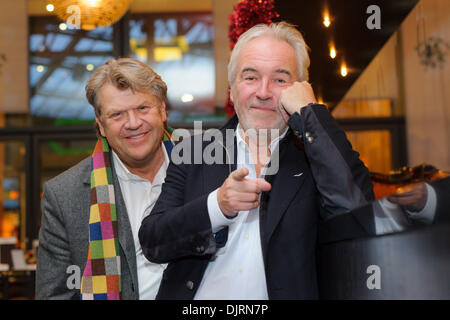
(363, 108)
(14, 45)
(221, 10)
(374, 148)
(427, 91)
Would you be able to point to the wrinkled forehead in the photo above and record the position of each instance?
(112, 97)
(267, 54)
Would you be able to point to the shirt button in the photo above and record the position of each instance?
(240, 270)
(190, 285)
(310, 139)
(246, 236)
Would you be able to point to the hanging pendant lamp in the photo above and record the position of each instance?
(90, 14)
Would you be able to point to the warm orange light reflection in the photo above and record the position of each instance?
(14, 195)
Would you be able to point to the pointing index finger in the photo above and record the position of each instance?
(240, 174)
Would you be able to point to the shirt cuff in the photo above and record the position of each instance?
(426, 215)
(217, 218)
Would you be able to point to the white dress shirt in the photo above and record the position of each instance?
(140, 196)
(238, 269)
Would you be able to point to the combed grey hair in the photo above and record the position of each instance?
(281, 31)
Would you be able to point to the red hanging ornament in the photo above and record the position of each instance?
(247, 14)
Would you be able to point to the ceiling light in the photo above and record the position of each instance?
(90, 67)
(50, 7)
(326, 21)
(92, 3)
(333, 53)
(62, 26)
(344, 71)
(40, 68)
(91, 13)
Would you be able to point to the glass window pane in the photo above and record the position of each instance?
(12, 190)
(61, 62)
(179, 47)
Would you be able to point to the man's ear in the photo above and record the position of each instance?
(163, 112)
(231, 94)
(100, 126)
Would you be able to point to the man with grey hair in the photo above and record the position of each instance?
(88, 241)
(232, 231)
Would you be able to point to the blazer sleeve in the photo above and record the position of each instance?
(176, 228)
(442, 189)
(340, 176)
(53, 255)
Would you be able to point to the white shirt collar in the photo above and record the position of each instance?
(241, 142)
(125, 174)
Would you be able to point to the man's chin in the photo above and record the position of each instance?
(258, 121)
(140, 153)
(280, 125)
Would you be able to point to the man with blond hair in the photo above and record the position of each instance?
(88, 241)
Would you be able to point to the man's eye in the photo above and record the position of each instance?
(116, 114)
(143, 108)
(280, 81)
(250, 78)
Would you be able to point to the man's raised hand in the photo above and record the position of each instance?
(239, 193)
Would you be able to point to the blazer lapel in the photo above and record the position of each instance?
(286, 184)
(214, 175)
(86, 206)
(86, 174)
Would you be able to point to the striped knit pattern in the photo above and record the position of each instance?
(101, 276)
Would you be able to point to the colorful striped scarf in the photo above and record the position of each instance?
(101, 278)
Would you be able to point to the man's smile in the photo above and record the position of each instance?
(263, 108)
(136, 136)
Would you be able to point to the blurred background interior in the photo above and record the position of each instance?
(386, 87)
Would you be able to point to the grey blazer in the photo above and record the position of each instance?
(64, 236)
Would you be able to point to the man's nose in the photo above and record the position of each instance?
(133, 120)
(264, 90)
